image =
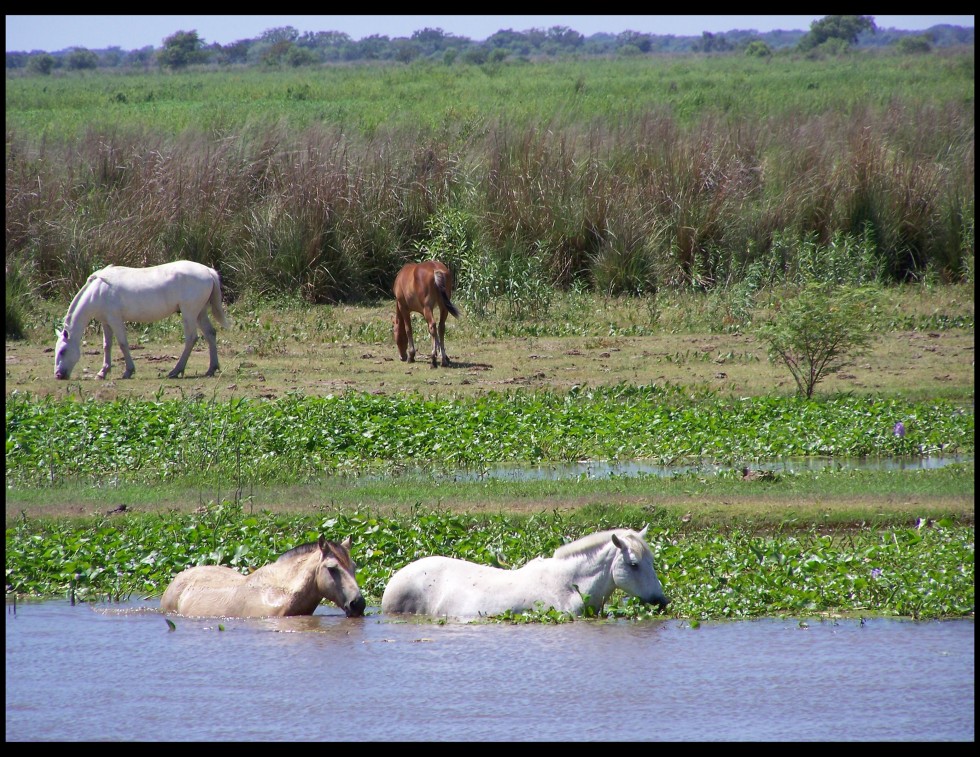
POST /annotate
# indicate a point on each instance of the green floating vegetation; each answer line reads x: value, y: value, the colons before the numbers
x: 299, y: 439
x: 922, y: 571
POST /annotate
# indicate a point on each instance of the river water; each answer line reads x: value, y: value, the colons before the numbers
x: 117, y: 672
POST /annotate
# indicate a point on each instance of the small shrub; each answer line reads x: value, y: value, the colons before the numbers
x: 819, y: 332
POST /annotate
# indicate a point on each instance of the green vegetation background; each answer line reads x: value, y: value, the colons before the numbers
x: 617, y: 177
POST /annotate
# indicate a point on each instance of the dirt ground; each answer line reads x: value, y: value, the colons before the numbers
x: 913, y: 364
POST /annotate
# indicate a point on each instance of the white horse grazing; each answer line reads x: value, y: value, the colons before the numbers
x: 116, y: 294
x: 581, y: 574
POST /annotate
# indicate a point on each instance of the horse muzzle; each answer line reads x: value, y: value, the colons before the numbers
x: 660, y: 601
x: 356, y: 608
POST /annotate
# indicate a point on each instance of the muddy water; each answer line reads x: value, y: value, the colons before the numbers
x: 118, y: 673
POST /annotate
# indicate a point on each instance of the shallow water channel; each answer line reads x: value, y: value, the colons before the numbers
x: 601, y: 469
x: 116, y: 672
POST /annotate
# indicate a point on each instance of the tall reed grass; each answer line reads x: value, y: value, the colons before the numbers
x: 706, y: 182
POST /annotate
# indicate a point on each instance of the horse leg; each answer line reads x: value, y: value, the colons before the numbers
x: 433, y: 332
x: 443, y: 313
x: 120, y: 328
x: 106, y: 351
x: 190, y: 336
x: 207, y: 328
x: 401, y: 335
x: 407, y: 320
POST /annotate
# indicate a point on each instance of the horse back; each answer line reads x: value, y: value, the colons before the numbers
x: 427, y: 284
x: 183, y: 595
x: 152, y: 293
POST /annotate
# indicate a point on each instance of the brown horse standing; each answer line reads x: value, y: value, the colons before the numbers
x: 420, y: 288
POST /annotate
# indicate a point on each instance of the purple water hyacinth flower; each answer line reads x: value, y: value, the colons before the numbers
x: 875, y: 572
x: 900, y: 429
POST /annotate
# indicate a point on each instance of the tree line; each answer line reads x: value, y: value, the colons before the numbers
x: 286, y: 46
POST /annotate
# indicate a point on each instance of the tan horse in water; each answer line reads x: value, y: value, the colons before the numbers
x: 421, y: 288
x: 292, y: 585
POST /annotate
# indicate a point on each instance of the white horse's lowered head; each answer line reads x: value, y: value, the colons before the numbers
x: 583, y: 573
x: 116, y: 294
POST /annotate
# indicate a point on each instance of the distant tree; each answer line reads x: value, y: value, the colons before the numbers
x: 80, y: 59
x: 758, y: 49
x: 141, y: 58
x: 301, y: 56
x: 830, y: 48
x: 181, y: 49
x: 235, y: 52
x: 41, y: 64
x: 275, y: 53
x: 406, y: 50
x: 712, y: 43
x: 915, y: 44
x: 111, y: 57
x: 513, y: 42
x: 429, y: 40
x: 280, y: 34
x: 17, y: 60
x: 373, y: 47
x: 600, y: 43
x: 476, y: 55
x: 642, y: 42
x: 565, y: 38
x: 846, y: 28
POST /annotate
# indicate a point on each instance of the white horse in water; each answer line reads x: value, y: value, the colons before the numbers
x: 116, y: 294
x: 581, y: 574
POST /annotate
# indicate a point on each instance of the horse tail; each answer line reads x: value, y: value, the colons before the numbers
x: 441, y: 281
x: 216, y: 307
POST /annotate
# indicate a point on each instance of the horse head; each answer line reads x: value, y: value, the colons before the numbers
x: 67, y: 353
x: 336, y: 577
x: 633, y: 570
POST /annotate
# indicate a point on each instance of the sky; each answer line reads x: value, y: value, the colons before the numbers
x: 52, y: 33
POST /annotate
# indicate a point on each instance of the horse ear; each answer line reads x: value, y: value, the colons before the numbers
x: 643, y: 533
x: 322, y: 544
x: 346, y: 544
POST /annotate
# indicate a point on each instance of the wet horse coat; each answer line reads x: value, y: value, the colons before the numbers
x: 421, y: 288
x: 581, y: 574
x: 292, y: 585
x: 116, y: 294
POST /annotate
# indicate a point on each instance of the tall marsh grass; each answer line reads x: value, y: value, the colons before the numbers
x: 621, y: 177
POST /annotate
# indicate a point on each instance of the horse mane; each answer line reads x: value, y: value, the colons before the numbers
x: 592, y: 542
x: 73, y: 306
x: 304, y: 549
